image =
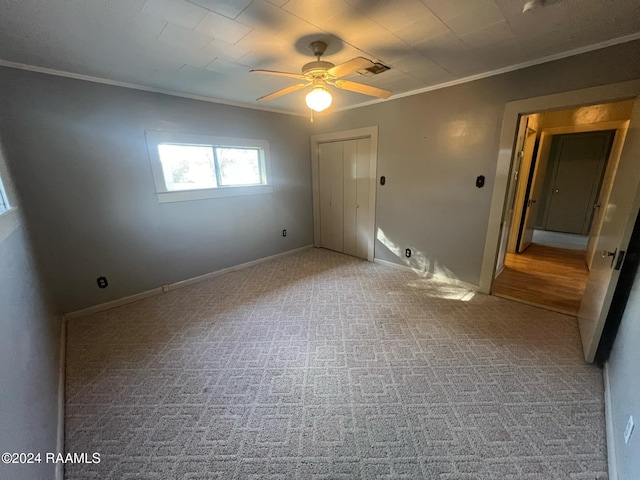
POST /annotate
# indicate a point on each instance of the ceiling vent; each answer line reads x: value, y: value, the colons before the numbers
x: 376, y: 69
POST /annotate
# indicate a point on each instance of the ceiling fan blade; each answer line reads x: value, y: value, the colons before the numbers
x: 282, y: 92
x: 352, y: 66
x: 279, y: 74
x: 361, y: 88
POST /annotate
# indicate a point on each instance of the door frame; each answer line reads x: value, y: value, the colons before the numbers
x: 316, y: 140
x: 510, y: 120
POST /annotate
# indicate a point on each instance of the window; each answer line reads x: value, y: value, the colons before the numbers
x: 195, y: 167
x: 4, y: 201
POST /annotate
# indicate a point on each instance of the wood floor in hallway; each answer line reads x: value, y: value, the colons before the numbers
x: 550, y: 277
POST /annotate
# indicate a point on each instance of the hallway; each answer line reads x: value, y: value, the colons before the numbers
x: 553, y: 278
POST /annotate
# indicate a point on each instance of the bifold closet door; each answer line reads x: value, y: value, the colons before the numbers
x: 344, y: 169
x: 331, y: 196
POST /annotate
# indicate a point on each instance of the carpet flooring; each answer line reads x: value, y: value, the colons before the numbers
x: 323, y: 366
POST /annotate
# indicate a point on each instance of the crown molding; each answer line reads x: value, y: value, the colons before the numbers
x: 479, y: 76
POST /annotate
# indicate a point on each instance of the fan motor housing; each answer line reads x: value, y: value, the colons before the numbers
x: 316, y: 68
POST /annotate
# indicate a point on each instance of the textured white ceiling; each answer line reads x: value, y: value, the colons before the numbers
x: 206, y: 48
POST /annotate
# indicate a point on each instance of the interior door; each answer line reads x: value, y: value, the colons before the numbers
x: 619, y: 217
x: 605, y: 191
x: 526, y: 163
x: 535, y: 192
x: 331, y: 196
x: 579, y: 161
x: 507, y: 217
x: 356, y: 154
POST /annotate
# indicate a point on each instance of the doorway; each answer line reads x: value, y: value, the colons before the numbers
x: 559, y: 185
x: 611, y: 221
x: 344, y: 190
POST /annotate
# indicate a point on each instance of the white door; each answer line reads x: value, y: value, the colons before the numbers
x: 331, y: 196
x: 507, y: 218
x: 605, y: 191
x: 344, y: 178
x: 619, y: 217
x: 528, y: 153
x: 535, y: 192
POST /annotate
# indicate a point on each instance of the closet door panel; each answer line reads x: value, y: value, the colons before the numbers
x: 324, y: 168
x: 362, y: 196
x: 337, y: 197
x: 349, y: 159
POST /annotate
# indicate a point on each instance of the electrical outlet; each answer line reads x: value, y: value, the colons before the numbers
x: 628, y: 431
x: 102, y: 282
x: 407, y: 253
x: 165, y: 288
x: 284, y: 232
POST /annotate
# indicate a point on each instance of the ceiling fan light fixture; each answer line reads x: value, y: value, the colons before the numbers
x: 319, y: 98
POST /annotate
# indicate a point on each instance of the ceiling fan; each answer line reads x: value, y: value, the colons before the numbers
x: 319, y: 74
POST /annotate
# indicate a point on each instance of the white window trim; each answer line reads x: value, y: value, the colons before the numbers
x: 154, y: 138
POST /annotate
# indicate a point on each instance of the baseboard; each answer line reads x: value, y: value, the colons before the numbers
x: 435, y: 276
x: 207, y: 276
x: 102, y: 307
x: 61, y: 396
x: 608, y: 420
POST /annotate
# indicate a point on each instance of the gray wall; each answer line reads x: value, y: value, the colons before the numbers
x: 81, y: 163
x: 29, y: 351
x: 624, y: 380
x: 431, y: 148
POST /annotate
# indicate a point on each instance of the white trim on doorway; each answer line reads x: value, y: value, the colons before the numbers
x: 512, y: 112
x: 316, y: 140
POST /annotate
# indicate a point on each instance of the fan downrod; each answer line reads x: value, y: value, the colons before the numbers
x: 318, y: 48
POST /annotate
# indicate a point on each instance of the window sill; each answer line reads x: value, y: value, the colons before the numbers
x: 203, y: 194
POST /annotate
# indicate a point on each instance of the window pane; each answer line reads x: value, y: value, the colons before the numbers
x: 187, y: 167
x: 239, y: 166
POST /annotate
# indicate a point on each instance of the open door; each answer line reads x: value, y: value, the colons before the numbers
x: 605, y: 191
x: 511, y: 194
x: 525, y: 167
x: 620, y: 214
x: 535, y: 191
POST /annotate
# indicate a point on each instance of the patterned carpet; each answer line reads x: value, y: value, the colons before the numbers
x: 323, y: 366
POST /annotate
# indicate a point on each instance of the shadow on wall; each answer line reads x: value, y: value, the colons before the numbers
x: 449, y: 286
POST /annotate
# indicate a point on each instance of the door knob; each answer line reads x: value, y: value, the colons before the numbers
x: 556, y: 190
